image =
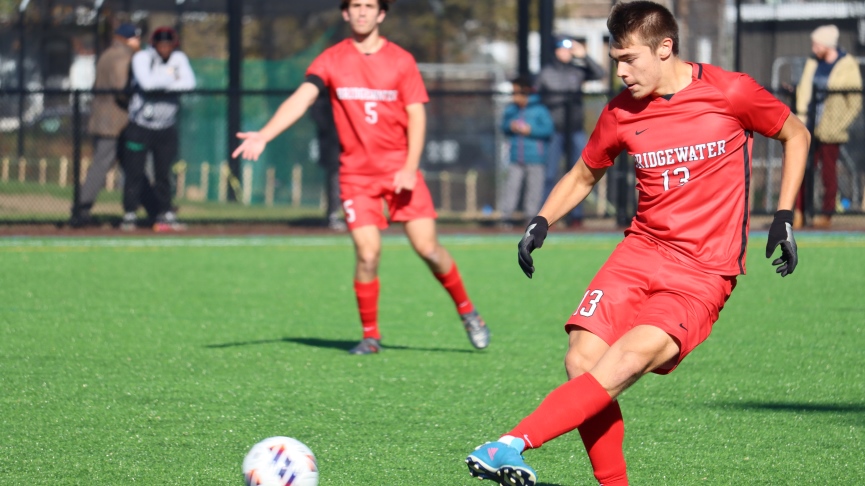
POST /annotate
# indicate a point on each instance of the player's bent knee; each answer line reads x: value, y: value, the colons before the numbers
x: 576, y: 364
x: 429, y: 253
x: 368, y: 258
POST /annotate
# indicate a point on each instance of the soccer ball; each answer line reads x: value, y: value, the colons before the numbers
x: 280, y: 461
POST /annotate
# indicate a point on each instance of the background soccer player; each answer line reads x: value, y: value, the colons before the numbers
x: 689, y: 128
x: 378, y: 102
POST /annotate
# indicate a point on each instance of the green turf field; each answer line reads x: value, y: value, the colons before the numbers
x: 160, y: 361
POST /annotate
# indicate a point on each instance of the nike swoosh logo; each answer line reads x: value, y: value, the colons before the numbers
x: 640, y: 131
x: 682, y: 326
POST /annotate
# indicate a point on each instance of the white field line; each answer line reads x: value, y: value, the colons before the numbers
x: 593, y: 240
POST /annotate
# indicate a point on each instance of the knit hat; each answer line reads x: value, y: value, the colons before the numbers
x: 127, y: 30
x: 826, y: 35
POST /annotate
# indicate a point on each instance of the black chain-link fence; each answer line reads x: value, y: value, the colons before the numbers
x: 47, y: 157
x: 466, y: 51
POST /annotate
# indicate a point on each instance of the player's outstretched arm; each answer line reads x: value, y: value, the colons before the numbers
x: 796, y: 140
x: 288, y: 113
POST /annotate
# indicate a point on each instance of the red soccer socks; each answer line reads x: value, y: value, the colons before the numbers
x: 563, y: 410
x: 603, y: 436
x: 367, y: 305
x: 453, y: 283
x: 367, y: 299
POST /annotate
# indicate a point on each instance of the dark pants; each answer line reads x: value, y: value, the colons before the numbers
x: 825, y: 157
x: 105, y: 151
x: 328, y: 159
x: 139, y: 142
x: 331, y: 188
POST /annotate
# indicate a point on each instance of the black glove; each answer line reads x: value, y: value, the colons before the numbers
x: 536, y: 232
x: 781, y: 233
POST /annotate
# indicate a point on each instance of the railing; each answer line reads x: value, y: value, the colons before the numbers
x: 45, y: 155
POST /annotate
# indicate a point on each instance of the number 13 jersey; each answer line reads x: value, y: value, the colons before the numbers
x: 692, y: 155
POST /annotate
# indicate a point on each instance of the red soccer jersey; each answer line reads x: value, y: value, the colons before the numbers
x: 692, y: 154
x: 369, y: 95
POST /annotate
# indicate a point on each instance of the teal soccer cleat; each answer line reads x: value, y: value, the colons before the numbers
x: 499, y: 462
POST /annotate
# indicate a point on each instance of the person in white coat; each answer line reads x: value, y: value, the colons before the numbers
x: 159, y: 72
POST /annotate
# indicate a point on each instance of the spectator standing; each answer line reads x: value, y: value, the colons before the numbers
x: 560, y: 84
x: 328, y: 157
x: 108, y: 118
x: 828, y: 100
x: 159, y: 72
x: 529, y: 126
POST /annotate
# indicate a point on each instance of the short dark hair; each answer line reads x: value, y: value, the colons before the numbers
x: 383, y: 5
x: 523, y: 82
x: 643, y: 21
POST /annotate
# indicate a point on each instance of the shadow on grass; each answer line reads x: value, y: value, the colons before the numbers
x: 339, y: 344
x: 856, y: 410
x: 798, y: 407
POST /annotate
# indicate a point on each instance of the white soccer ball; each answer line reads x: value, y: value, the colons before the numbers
x: 280, y: 461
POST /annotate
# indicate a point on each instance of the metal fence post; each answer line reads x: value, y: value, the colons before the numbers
x: 235, y: 67
x: 523, y: 36
x: 546, y: 18
x: 569, y: 130
x: 76, y: 149
x: 808, y: 181
x: 22, y: 80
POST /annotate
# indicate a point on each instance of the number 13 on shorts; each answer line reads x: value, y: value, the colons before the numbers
x: 589, y: 303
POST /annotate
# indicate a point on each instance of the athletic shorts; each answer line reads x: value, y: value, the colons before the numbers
x: 363, y: 203
x: 643, y: 283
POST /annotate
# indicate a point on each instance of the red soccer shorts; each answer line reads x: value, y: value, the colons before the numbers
x: 362, y: 202
x: 643, y: 283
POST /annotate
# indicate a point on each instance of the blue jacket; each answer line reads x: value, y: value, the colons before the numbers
x: 532, y: 148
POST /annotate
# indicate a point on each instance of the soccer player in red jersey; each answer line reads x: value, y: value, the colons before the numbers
x: 689, y: 130
x: 378, y: 101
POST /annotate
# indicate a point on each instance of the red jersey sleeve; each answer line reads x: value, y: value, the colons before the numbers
x: 755, y: 107
x: 604, y: 144
x: 320, y: 67
x: 411, y: 87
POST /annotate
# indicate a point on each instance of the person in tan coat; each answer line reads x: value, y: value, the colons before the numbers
x: 108, y: 118
x: 828, y: 100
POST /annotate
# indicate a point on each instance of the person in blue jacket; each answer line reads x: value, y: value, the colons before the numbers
x: 529, y: 127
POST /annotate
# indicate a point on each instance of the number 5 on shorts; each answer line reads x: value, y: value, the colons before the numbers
x: 586, y: 309
x: 350, y: 215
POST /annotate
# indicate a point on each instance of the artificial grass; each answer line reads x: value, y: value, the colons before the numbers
x: 162, y: 360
